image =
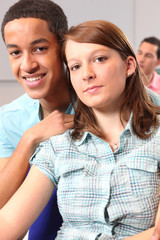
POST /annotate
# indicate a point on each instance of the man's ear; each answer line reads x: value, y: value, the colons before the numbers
x: 131, y: 65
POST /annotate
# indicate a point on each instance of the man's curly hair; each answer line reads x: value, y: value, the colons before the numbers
x: 46, y: 10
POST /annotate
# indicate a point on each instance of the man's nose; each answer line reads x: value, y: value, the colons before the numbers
x: 140, y: 58
x: 28, y: 64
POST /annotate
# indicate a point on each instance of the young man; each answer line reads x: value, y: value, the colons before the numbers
x: 148, y: 57
x: 32, y: 31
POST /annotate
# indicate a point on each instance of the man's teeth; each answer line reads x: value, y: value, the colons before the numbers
x: 33, y: 79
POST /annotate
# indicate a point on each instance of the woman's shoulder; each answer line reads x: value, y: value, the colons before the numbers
x: 66, y: 135
x: 156, y: 133
x: 61, y: 140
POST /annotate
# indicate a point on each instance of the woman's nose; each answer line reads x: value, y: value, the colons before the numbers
x: 88, y: 74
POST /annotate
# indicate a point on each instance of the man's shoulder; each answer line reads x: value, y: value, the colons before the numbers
x: 21, y: 113
x: 15, y: 118
x: 156, y: 79
x: 154, y: 97
x: 157, y: 74
x: 22, y: 104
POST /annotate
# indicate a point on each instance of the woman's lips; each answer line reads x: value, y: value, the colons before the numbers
x: 92, y: 89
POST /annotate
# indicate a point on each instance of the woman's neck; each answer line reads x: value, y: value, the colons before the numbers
x: 112, y: 124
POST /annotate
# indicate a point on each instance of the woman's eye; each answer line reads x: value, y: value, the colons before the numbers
x: 75, y: 67
x: 100, y: 59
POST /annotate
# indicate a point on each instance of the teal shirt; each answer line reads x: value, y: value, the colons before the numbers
x: 15, y: 118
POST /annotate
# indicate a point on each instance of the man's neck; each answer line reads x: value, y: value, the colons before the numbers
x: 49, y: 107
x: 149, y: 78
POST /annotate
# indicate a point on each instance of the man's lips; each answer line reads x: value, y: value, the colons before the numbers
x: 34, y: 78
x: 141, y: 65
x: 34, y: 81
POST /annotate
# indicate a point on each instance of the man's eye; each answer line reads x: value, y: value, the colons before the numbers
x: 139, y: 53
x: 149, y: 56
x: 14, y: 53
x: 100, y: 59
x: 41, y: 49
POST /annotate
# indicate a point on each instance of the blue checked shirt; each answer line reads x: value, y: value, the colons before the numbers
x: 103, y: 194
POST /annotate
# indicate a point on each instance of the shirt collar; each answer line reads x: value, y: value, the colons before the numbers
x: 128, y: 130
x: 40, y: 112
x: 129, y: 127
x: 155, y: 83
x: 69, y: 110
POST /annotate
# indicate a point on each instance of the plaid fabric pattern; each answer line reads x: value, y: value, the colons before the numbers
x: 101, y: 194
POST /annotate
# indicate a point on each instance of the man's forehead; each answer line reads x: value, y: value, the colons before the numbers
x: 148, y: 47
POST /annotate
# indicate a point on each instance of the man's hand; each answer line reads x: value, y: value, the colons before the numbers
x: 54, y: 124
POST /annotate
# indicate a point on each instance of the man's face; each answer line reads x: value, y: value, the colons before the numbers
x: 34, y: 55
x: 147, y: 57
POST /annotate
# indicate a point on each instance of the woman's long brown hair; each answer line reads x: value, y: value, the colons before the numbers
x: 135, y: 95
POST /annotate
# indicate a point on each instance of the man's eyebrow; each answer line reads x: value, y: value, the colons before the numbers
x: 11, y: 45
x: 40, y: 40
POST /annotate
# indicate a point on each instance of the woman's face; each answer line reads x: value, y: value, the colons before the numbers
x: 98, y: 74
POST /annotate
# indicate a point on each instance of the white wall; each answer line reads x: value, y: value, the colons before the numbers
x: 146, y: 19
x: 137, y: 18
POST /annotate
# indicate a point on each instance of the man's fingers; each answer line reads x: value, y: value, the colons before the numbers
x: 69, y: 125
x: 69, y: 117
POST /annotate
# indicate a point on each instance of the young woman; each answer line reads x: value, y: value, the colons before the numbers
x: 106, y: 169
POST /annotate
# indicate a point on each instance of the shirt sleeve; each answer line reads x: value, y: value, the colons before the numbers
x: 44, y: 158
x: 6, y: 149
x: 106, y: 237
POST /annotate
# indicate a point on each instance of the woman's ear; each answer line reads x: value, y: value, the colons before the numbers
x: 131, y: 66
